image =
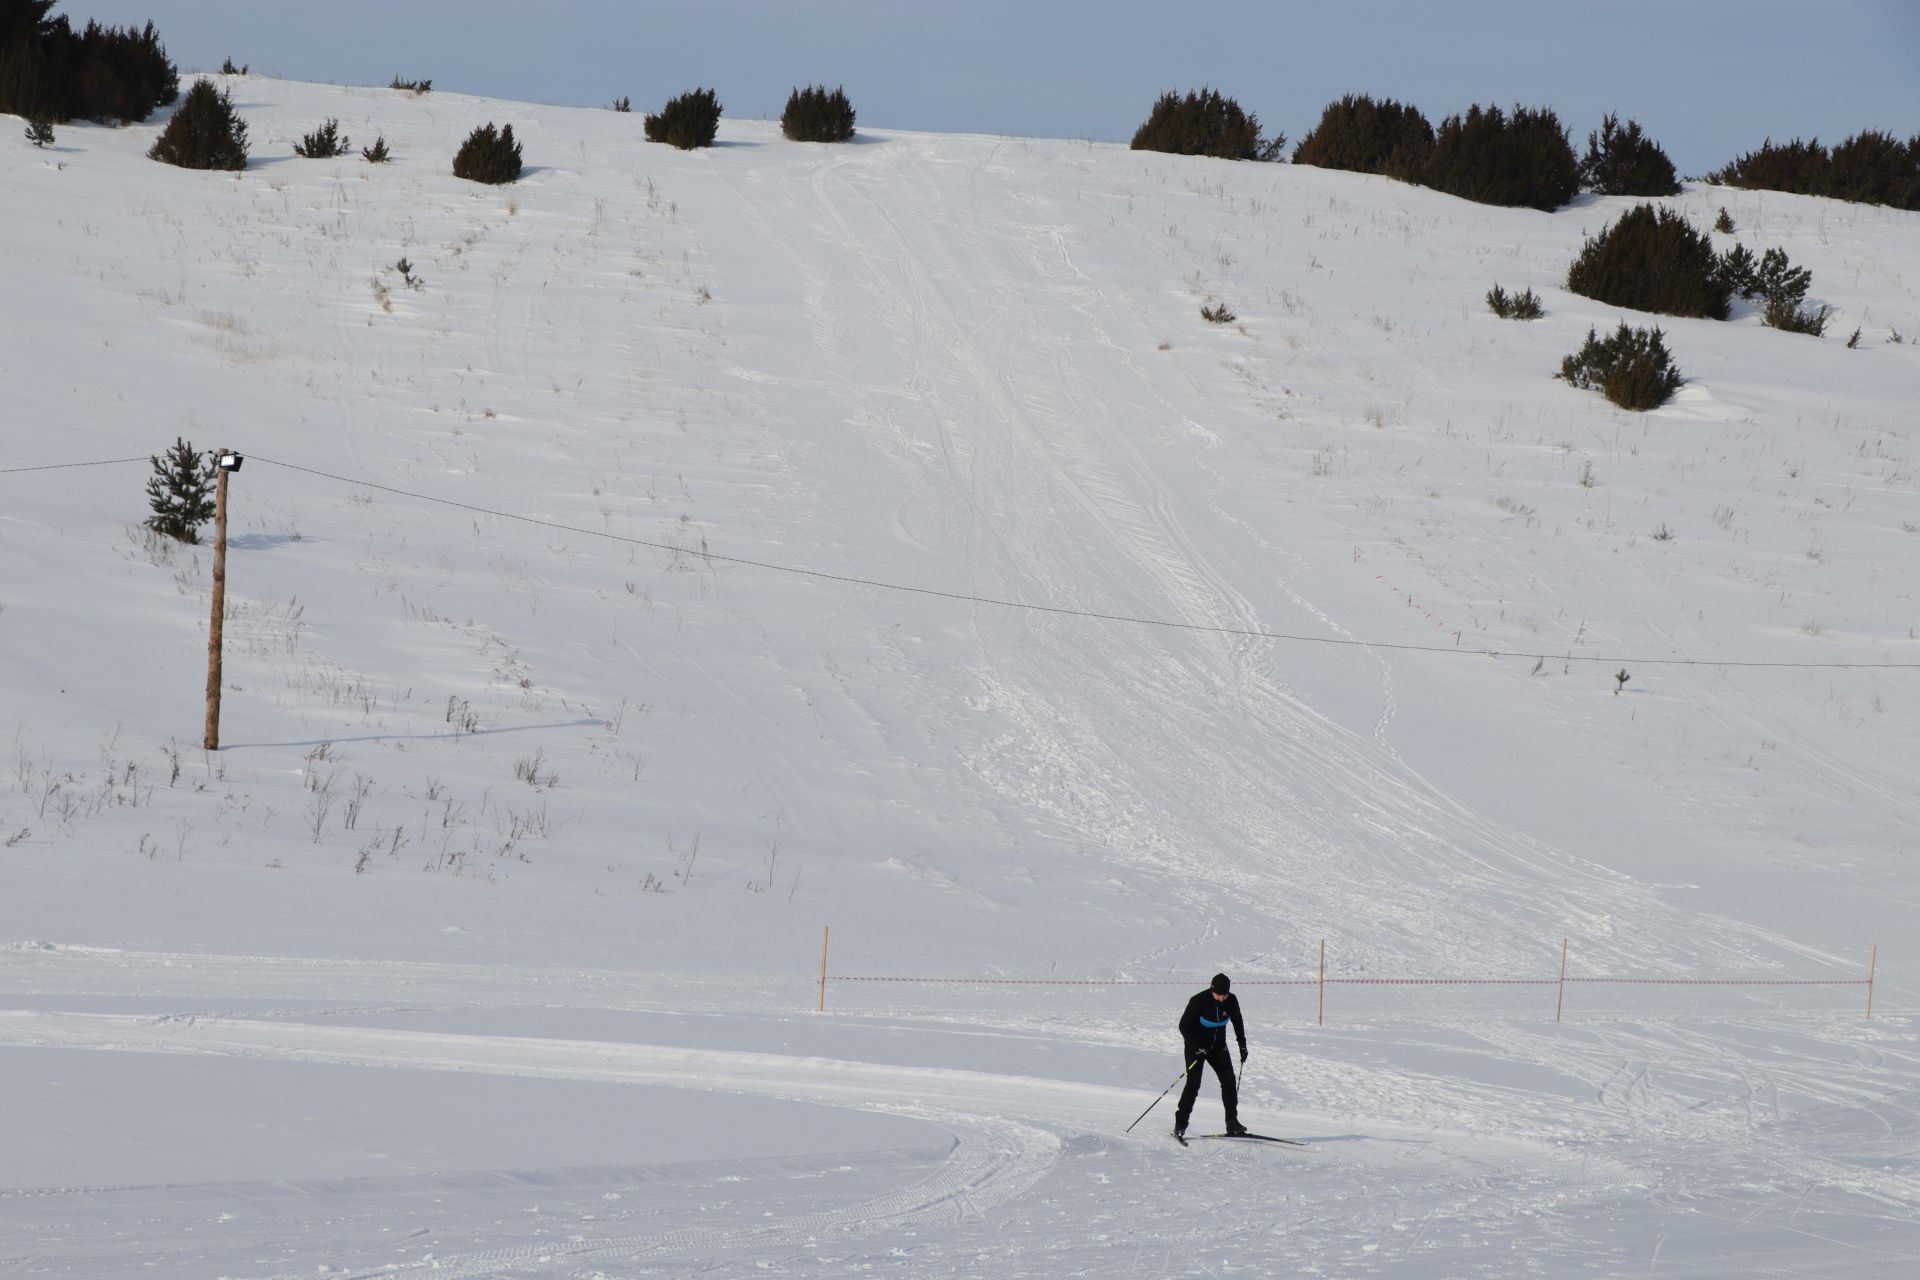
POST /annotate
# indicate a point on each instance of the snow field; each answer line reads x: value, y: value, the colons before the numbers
x: 604, y: 794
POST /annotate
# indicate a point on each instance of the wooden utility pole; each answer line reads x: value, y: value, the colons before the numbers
x: 1873, y: 963
x: 822, y: 1007
x: 1560, y: 1002
x: 1321, y: 1018
x: 217, y: 626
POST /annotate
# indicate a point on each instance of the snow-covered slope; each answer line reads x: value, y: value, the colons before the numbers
x: 617, y: 763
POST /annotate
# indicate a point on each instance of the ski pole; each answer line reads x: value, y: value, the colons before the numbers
x: 1164, y: 1092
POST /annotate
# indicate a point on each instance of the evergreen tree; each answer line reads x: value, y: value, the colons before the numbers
x: 50, y: 72
x: 688, y: 121
x: 488, y: 155
x: 814, y: 115
x: 1206, y: 123
x: 1876, y: 168
x: 24, y: 20
x: 1652, y: 260
x: 30, y: 82
x: 1631, y: 367
x: 1521, y: 161
x: 1798, y: 167
x: 1364, y: 136
x: 181, y: 492
x: 1625, y: 162
x: 205, y: 133
x: 324, y: 143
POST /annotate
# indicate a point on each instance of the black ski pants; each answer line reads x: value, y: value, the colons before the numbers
x: 1221, y: 1059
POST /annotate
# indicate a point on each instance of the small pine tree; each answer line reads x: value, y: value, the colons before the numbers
x: 40, y: 133
x: 180, y: 492
x: 623, y: 104
x: 1206, y: 123
x: 1739, y: 272
x: 205, y: 133
x: 815, y: 115
x: 1652, y: 260
x: 488, y: 155
x: 1625, y: 162
x: 1724, y: 223
x: 228, y: 69
x: 415, y: 87
x: 324, y: 143
x: 1782, y: 287
x: 1631, y: 367
x: 1363, y: 136
x: 688, y: 121
x: 377, y: 153
x: 1514, y: 306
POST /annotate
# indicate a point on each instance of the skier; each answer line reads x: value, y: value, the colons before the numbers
x: 1203, y: 1027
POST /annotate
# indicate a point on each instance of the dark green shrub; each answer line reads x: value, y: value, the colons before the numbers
x: 1779, y: 281
x: 1739, y: 272
x: 324, y: 143
x: 1520, y: 161
x: 377, y: 153
x: 1631, y: 367
x: 1217, y: 313
x: 30, y: 83
x: 1625, y: 162
x: 25, y: 20
x: 814, y: 115
x: 1876, y: 168
x: 415, y: 87
x: 180, y: 492
x: 205, y: 133
x: 1782, y: 287
x: 50, y: 72
x: 1794, y: 318
x: 488, y: 155
x: 1724, y: 223
x: 119, y: 75
x: 228, y: 69
x: 39, y: 133
x: 1798, y: 167
x: 688, y: 121
x: 1363, y: 136
x: 623, y: 104
x: 1206, y: 123
x: 1514, y: 306
x: 1652, y: 261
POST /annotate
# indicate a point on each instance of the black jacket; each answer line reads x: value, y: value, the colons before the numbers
x: 1202, y: 1010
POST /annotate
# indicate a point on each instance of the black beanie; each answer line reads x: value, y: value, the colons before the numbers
x: 1222, y: 983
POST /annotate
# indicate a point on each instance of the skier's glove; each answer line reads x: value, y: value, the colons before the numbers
x: 1243, y: 1055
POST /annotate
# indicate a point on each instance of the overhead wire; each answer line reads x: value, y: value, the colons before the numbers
x: 63, y: 466
x: 1058, y: 610
x: 1063, y: 611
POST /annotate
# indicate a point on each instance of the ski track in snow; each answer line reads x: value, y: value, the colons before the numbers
x: 1736, y: 1139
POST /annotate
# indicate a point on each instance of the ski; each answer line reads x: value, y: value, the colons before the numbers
x: 1256, y: 1137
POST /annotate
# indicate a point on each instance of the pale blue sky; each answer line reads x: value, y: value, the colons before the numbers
x: 1707, y: 78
